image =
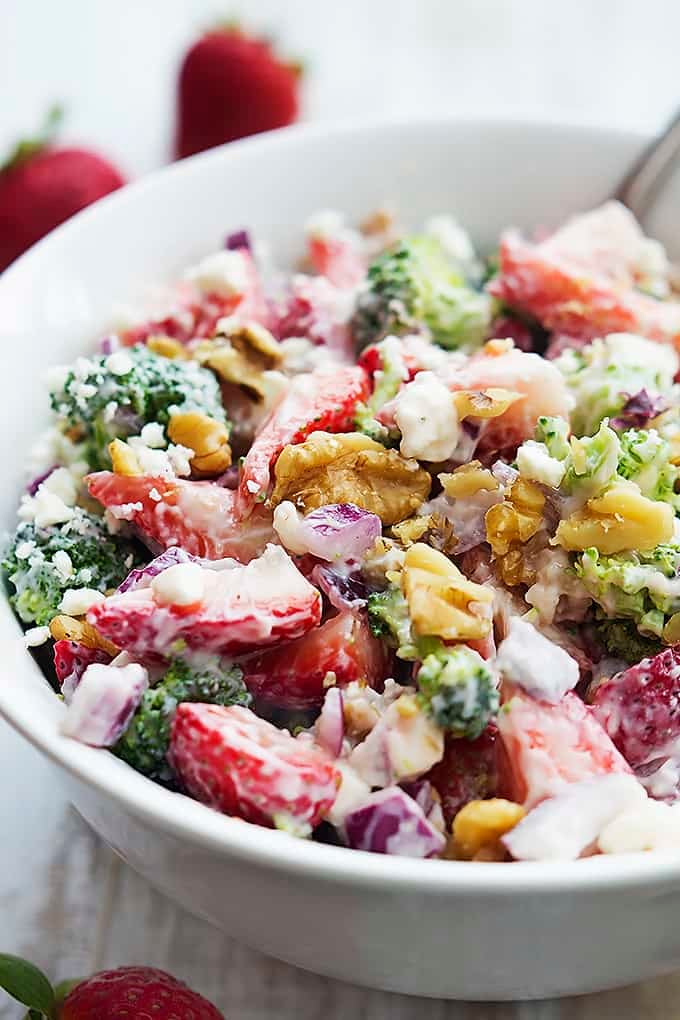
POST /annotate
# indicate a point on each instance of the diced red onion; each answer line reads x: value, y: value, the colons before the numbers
x: 343, y: 591
x: 330, y: 726
x: 237, y: 240
x: 36, y: 482
x: 391, y: 822
x: 505, y: 474
x: 110, y: 343
x: 340, y: 531
x: 638, y: 410
x: 141, y: 577
x: 562, y: 827
x: 104, y: 702
x: 229, y: 480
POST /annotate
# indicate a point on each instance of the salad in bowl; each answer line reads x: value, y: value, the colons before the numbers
x: 380, y: 551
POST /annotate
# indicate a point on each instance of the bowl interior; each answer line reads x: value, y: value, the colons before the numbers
x: 57, y: 300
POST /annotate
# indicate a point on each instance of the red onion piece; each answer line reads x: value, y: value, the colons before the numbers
x: 104, y: 702
x: 391, y: 822
x: 343, y: 591
x: 109, y: 344
x: 339, y: 531
x: 36, y: 482
x: 638, y: 410
x: 237, y: 240
x: 330, y: 726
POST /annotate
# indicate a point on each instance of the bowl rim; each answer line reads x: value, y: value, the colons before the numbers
x: 190, y: 821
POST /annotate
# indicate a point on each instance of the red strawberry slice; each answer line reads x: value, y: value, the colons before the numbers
x: 322, y: 401
x: 71, y: 659
x: 200, y: 517
x: 316, y: 310
x: 197, y: 313
x: 640, y: 707
x: 549, y: 745
x: 338, y: 260
x: 292, y: 676
x: 242, y: 608
x: 581, y: 300
x: 241, y: 765
x: 468, y: 771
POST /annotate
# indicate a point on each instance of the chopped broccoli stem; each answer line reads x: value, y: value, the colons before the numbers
x: 622, y: 640
x: 413, y: 287
x: 459, y: 690
x: 144, y: 745
x: 102, y: 405
x: 92, y: 559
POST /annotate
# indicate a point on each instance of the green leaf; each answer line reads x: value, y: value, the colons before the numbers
x: 27, y: 147
x: 28, y: 985
x: 64, y: 987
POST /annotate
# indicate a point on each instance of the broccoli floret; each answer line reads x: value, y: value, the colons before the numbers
x: 645, y: 460
x: 642, y: 586
x: 592, y: 463
x: 413, y: 287
x: 459, y: 690
x: 604, y: 374
x: 388, y: 617
x: 101, y: 403
x: 553, y: 433
x: 144, y: 744
x: 89, y: 557
x: 622, y: 640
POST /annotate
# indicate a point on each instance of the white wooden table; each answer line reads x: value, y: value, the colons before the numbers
x: 65, y: 900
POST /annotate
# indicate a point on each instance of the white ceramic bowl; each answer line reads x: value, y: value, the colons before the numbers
x: 465, y: 931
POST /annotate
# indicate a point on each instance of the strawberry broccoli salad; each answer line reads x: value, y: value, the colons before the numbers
x: 383, y: 550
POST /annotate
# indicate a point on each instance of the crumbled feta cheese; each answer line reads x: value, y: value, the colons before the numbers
x: 155, y: 495
x: 652, y: 825
x: 426, y: 416
x: 119, y: 363
x: 24, y: 550
x: 109, y: 411
x: 180, y: 585
x: 287, y: 527
x: 352, y: 792
x: 180, y: 458
x: 224, y: 273
x: 121, y: 512
x: 252, y: 486
x: 36, y: 636
x: 63, y: 564
x: 83, y: 367
x: 77, y: 601
x: 535, y: 463
x: 44, y: 509
x: 85, y: 575
x: 539, y: 666
x: 153, y: 435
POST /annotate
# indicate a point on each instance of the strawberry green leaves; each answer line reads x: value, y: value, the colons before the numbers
x: 28, y: 985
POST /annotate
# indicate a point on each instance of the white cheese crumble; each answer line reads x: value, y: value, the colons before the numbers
x: 426, y: 416
x: 539, y: 666
x: 155, y: 495
x: 224, y: 273
x: 180, y: 585
x: 53, y: 502
x: 535, y: 463
x: 56, y: 377
x: 77, y: 601
x: 63, y: 565
x: 36, y: 636
x: 153, y: 435
x: 119, y: 363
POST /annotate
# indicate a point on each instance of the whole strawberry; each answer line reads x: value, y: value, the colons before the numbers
x: 232, y: 85
x: 43, y: 184
x: 124, y: 992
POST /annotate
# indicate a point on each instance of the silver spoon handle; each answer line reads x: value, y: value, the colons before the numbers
x: 644, y: 180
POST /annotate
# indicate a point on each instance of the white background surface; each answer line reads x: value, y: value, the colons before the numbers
x: 64, y: 900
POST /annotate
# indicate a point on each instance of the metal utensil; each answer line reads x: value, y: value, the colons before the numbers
x: 647, y: 176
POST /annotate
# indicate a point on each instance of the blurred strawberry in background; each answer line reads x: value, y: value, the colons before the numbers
x: 42, y: 184
x: 232, y: 85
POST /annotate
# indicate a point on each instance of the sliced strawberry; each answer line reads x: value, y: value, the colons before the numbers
x: 549, y: 745
x: 241, y: 765
x: 317, y: 310
x: 640, y: 707
x: 338, y: 260
x: 241, y: 609
x: 569, y: 296
x: 200, y: 517
x: 71, y: 659
x: 468, y: 771
x: 321, y: 401
x: 292, y: 676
